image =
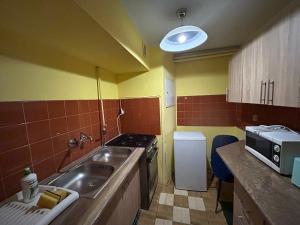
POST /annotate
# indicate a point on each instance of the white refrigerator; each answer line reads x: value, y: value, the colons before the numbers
x: 190, y: 161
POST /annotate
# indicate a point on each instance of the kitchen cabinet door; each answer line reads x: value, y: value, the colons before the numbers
x: 254, y: 75
x: 292, y: 97
x: 284, y: 67
x: 245, y: 211
x: 249, y: 82
x: 278, y: 40
x: 126, y: 202
x: 262, y: 67
x: 132, y: 197
x: 235, y: 76
x: 270, y: 64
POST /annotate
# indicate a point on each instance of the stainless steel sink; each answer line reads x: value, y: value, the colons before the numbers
x: 115, y: 155
x: 86, y: 179
x: 89, y: 177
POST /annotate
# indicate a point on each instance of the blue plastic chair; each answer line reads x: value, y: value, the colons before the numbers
x: 219, y: 169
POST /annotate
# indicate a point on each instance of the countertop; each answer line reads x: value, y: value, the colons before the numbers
x: 85, y: 211
x: 275, y: 196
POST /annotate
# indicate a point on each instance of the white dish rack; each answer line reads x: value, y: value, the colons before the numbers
x: 16, y: 212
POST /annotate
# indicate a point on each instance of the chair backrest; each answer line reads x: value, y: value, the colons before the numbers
x: 219, y: 168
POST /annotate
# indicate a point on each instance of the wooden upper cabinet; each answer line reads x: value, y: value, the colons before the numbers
x: 234, y: 92
x: 255, y: 71
x: 293, y: 80
x: 270, y: 64
x: 284, y: 70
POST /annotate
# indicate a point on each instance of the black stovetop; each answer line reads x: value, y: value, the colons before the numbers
x: 132, y: 140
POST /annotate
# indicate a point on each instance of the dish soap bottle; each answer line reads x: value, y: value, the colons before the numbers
x: 29, y: 185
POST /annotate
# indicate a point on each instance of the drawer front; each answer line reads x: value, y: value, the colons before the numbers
x: 238, y: 215
x: 245, y: 210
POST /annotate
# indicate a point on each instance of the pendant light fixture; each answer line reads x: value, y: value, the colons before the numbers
x: 183, y: 38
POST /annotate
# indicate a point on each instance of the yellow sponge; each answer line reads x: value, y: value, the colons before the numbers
x: 47, y: 201
x: 53, y: 195
x: 63, y: 194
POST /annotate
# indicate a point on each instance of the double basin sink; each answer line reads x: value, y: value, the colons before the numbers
x: 88, y: 177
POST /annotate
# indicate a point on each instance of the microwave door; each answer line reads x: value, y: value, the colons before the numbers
x: 259, y: 144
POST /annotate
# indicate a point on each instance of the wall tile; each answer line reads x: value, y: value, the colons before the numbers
x: 93, y: 105
x: 35, y: 111
x: 60, y: 143
x: 209, y: 110
x: 76, y: 154
x: 48, y: 137
x: 73, y: 123
x: 94, y: 117
x: 14, y: 161
x: 83, y: 106
x: 62, y: 159
x: 84, y: 120
x: 71, y: 107
x: 45, y: 168
x: 180, y: 107
x: 12, y: 137
x: 11, y: 113
x: 213, y: 110
x: 2, y: 194
x: 12, y: 183
x: 96, y: 131
x: 41, y: 151
x: 38, y: 131
x: 141, y: 116
x: 58, y: 126
x: 268, y: 115
x: 56, y: 109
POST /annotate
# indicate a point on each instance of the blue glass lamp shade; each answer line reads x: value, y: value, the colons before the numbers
x: 183, y: 38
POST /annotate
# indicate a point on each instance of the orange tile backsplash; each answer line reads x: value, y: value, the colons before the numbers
x: 206, y: 110
x: 35, y: 133
x: 142, y: 115
x: 266, y: 114
x: 213, y: 110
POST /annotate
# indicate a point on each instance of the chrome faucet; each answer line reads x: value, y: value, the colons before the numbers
x: 73, y: 142
x: 84, y: 138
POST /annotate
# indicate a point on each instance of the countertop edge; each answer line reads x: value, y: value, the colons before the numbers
x: 274, y: 178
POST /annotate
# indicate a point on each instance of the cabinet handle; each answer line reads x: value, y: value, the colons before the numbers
x: 260, y: 98
x: 271, y: 99
x: 265, y: 91
x: 263, y: 88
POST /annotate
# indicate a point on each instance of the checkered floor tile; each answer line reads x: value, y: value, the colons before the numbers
x: 181, y: 203
x: 171, y: 206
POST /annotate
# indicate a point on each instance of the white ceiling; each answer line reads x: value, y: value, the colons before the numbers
x: 227, y: 22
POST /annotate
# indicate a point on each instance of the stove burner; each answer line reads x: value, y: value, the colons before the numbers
x: 132, y: 140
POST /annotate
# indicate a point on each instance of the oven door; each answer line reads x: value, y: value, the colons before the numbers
x: 152, y: 173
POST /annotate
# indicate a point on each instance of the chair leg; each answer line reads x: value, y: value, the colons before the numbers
x: 218, y: 194
x: 211, y: 179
